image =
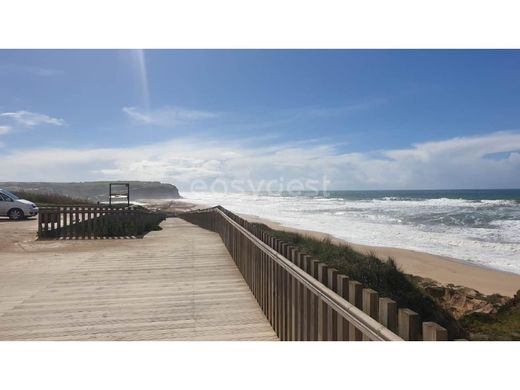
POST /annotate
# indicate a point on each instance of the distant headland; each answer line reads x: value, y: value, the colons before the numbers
x: 96, y: 190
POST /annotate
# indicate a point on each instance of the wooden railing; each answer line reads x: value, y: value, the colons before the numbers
x: 95, y: 221
x: 304, y: 299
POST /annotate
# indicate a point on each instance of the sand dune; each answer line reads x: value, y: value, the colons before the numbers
x: 440, y: 268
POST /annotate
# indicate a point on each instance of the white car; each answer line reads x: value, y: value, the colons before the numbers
x: 15, y: 208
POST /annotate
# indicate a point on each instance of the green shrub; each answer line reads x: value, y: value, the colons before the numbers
x: 503, y: 325
x: 383, y: 276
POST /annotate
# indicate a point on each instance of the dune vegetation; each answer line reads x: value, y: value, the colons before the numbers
x: 384, y: 277
x: 51, y: 199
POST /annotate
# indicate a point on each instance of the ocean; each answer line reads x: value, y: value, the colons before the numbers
x: 477, y: 226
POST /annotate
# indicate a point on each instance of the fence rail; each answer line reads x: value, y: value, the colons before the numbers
x: 95, y: 221
x: 304, y: 299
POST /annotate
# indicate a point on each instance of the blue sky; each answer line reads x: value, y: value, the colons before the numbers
x: 361, y: 118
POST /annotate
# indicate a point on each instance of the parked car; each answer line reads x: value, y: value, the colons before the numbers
x: 15, y: 208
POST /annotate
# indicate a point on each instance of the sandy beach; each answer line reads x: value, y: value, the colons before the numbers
x: 440, y: 268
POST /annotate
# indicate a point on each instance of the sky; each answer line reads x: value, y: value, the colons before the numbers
x: 344, y: 119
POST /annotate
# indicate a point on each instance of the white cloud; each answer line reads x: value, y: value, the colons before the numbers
x: 29, y: 69
x: 4, y: 129
x: 31, y: 119
x: 454, y: 163
x: 166, y: 117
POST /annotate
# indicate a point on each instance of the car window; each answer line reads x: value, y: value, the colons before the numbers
x: 9, y: 195
x: 5, y: 198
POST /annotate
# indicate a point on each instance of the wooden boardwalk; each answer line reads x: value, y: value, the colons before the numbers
x: 176, y: 284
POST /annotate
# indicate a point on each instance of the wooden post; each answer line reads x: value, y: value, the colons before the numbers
x: 343, y: 290
x: 314, y: 303
x: 286, y: 305
x: 299, y: 290
x: 388, y: 313
x: 83, y: 227
x: 322, y: 306
x: 58, y: 227
x: 270, y: 280
x: 44, y: 220
x: 264, y: 282
x: 294, y: 309
x: 276, y: 299
x: 71, y: 222
x: 88, y: 223
x: 64, y: 221
x: 434, y: 332
x: 40, y: 225
x: 281, y: 312
x: 409, y: 324
x: 283, y: 249
x: 332, y: 316
x: 306, y: 264
x: 370, y: 305
x: 293, y: 255
x: 356, y: 298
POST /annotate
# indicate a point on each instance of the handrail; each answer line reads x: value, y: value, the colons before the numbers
x: 362, y: 321
x: 302, y: 298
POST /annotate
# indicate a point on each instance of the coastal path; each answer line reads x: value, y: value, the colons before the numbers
x: 179, y: 283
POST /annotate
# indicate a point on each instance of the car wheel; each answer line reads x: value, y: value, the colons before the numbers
x: 16, y: 214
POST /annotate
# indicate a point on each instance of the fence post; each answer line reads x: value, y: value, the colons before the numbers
x: 388, y: 313
x: 322, y: 306
x: 299, y: 292
x: 58, y: 221
x: 279, y: 303
x: 355, y: 297
x: 83, y: 225
x: 283, y: 249
x: 40, y: 225
x: 272, y: 302
x: 306, y: 265
x: 409, y: 324
x: 434, y: 332
x: 343, y: 290
x: 45, y: 224
x: 295, y: 324
x: 89, y: 222
x: 332, y: 316
x: 370, y: 305
x: 287, y: 304
x: 314, y: 303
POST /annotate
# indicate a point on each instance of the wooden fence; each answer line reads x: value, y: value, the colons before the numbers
x: 95, y: 221
x: 304, y: 299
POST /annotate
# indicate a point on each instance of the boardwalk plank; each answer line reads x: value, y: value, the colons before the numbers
x: 176, y: 284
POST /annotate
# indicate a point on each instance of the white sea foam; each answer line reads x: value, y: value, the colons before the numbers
x: 469, y: 230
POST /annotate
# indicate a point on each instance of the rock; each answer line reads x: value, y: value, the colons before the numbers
x: 460, y: 301
x: 435, y: 291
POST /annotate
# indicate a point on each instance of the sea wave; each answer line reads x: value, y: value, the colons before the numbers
x: 485, y: 232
